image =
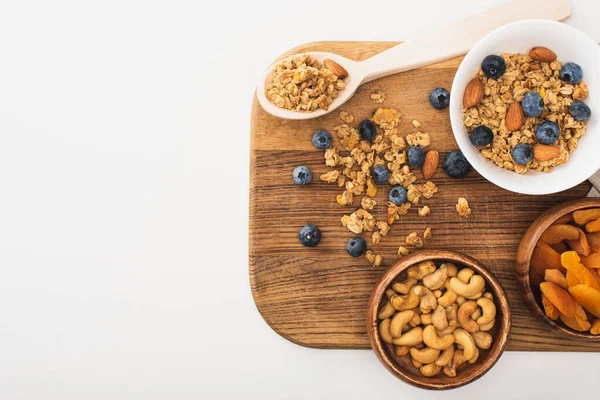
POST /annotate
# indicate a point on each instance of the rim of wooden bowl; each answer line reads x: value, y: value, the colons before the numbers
x: 475, y: 371
x: 525, y: 251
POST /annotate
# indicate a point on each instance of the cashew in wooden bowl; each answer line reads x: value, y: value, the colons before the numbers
x: 438, y: 319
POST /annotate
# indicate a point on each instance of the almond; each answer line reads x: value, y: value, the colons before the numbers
x: 430, y: 164
x: 542, y: 152
x: 515, y: 117
x: 543, y: 54
x: 473, y: 93
x: 336, y: 68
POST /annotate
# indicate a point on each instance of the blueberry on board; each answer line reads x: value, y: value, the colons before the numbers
x: 439, y: 98
x: 580, y: 111
x: 356, y: 246
x: 321, y: 139
x: 416, y: 156
x: 380, y: 174
x: 522, y: 153
x: 397, y: 195
x: 532, y: 104
x: 456, y: 164
x: 302, y: 175
x: 309, y: 235
x: 547, y: 132
x: 493, y: 66
x: 571, y: 73
x: 481, y: 136
x: 367, y: 130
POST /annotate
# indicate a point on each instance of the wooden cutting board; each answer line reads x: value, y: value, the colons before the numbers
x: 317, y: 297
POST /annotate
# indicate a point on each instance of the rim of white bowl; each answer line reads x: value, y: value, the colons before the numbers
x: 478, y: 162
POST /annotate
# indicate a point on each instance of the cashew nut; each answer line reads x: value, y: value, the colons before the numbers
x: 448, y: 297
x: 464, y: 316
x: 475, y: 285
x: 475, y: 296
x: 386, y: 311
x: 452, y: 325
x: 401, y: 303
x: 401, y: 351
x: 457, y: 360
x: 452, y: 270
x: 452, y: 312
x: 421, y: 269
x: 406, y: 328
x: 415, y: 321
x: 460, y: 300
x: 437, y: 293
x: 473, y: 359
x: 463, y: 338
x: 389, y: 293
x: 436, y: 279
x: 424, y: 356
x: 488, y: 295
x: 446, y: 357
x: 487, y: 326
x: 483, y: 340
x: 465, y: 274
x: 426, y: 319
x: 476, y: 314
x: 439, y: 318
x: 428, y: 301
x: 400, y: 319
x: 419, y: 346
x: 416, y: 363
x: 431, y: 339
x: 404, y: 287
x: 488, y: 308
x: 410, y: 338
x: 430, y: 370
x: 384, y: 330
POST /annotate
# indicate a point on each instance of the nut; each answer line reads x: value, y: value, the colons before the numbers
x: 430, y: 163
x: 421, y: 269
x: 457, y: 360
x: 473, y: 93
x: 476, y: 285
x: 424, y: 356
x: 543, y: 54
x: 401, y: 351
x: 410, y: 338
x: 431, y: 338
x: 430, y: 370
x: 464, y: 316
x: 488, y: 308
x: 428, y: 300
x: 436, y: 279
x: 384, y: 330
x: 439, y: 318
x: 404, y: 287
x: 400, y: 319
x: 386, y: 311
x: 544, y: 152
x: 446, y: 357
x: 483, y: 340
x: 515, y: 118
x: 336, y: 68
x: 463, y: 338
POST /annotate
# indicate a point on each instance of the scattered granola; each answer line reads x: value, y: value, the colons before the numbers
x: 375, y: 237
x: 367, y: 203
x: 524, y: 74
x: 301, y: 83
x: 378, y: 97
x: 462, y: 207
x: 416, y: 124
x: 413, y: 239
x: 424, y: 211
x: 346, y: 116
x: 373, y: 258
x: 418, y: 139
x: 402, y: 251
x: 427, y: 234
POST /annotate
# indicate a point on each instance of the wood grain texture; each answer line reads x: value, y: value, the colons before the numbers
x: 317, y: 297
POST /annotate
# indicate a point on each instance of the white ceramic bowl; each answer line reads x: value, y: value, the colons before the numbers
x: 569, y: 44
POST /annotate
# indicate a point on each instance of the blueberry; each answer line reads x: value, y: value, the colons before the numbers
x: 493, y: 66
x: 367, y: 130
x: 481, y: 136
x: 416, y: 156
x: 356, y: 246
x: 397, y: 195
x: 547, y: 132
x: 439, y: 98
x: 309, y: 235
x: 533, y: 104
x: 580, y: 111
x: 321, y: 139
x: 522, y: 153
x: 571, y: 73
x: 380, y: 174
x: 456, y: 165
x: 302, y: 175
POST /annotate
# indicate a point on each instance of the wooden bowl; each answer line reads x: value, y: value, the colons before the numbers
x: 402, y: 367
x: 531, y: 295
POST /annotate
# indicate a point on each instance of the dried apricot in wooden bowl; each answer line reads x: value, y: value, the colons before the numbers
x: 558, y: 265
x: 431, y: 311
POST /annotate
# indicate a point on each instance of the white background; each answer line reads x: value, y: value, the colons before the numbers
x: 124, y: 140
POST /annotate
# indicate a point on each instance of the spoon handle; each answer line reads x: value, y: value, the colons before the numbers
x: 456, y: 39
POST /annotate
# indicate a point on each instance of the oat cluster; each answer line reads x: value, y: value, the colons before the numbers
x: 301, y: 83
x: 523, y: 74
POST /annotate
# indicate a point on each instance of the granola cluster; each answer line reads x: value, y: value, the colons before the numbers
x: 352, y: 172
x: 301, y: 83
x: 524, y: 74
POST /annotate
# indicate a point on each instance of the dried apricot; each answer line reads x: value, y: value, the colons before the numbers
x: 591, y: 261
x: 580, y: 245
x: 550, y: 309
x: 594, y: 241
x: 595, y: 274
x: 588, y: 297
x: 555, y: 276
x: 572, y: 280
x: 570, y: 260
x: 559, y: 297
x: 593, y: 226
x: 558, y: 233
x: 565, y: 219
x: 544, y: 257
x: 595, y: 329
x: 579, y: 322
x: 582, y: 217
x: 560, y: 247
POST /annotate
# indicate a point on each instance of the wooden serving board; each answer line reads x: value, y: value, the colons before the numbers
x: 317, y: 297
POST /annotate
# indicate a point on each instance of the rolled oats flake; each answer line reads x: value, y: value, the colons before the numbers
x: 402, y: 251
x: 462, y: 207
x: 427, y: 234
x: 424, y: 211
x: 346, y: 117
x: 378, y: 97
x: 413, y: 239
